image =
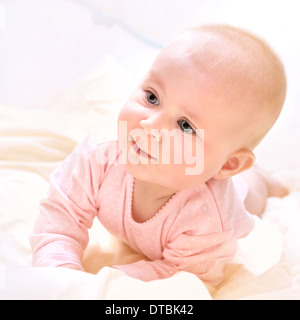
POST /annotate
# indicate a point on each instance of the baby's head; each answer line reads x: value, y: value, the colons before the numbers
x: 250, y: 74
x: 220, y: 79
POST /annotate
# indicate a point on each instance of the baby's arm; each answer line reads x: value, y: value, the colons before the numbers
x: 61, y: 231
x: 203, y: 255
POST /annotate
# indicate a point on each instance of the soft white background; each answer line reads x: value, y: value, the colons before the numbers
x: 42, y: 50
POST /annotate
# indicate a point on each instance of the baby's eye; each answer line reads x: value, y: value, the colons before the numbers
x: 185, y: 126
x: 151, y: 98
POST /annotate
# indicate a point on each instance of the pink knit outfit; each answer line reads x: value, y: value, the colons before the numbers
x: 195, y: 231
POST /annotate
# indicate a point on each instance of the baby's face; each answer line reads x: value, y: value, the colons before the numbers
x: 179, y: 126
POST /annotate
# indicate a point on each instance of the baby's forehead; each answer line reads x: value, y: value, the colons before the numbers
x: 205, y: 54
x: 203, y: 44
x: 209, y: 53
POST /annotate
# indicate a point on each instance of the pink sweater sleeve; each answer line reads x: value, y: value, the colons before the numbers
x: 61, y: 231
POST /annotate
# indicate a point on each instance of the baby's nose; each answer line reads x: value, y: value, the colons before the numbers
x: 151, y: 128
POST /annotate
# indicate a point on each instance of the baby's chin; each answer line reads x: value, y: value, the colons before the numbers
x: 164, y: 176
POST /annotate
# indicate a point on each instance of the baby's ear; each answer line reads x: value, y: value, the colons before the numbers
x: 238, y: 162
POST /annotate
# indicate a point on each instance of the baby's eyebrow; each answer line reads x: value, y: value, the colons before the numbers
x: 192, y: 116
x: 152, y: 77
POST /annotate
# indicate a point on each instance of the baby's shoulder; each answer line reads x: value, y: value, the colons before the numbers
x: 213, y: 208
x: 203, y: 207
x: 220, y: 203
x: 100, y: 156
x: 108, y: 154
x: 229, y: 198
x: 221, y: 189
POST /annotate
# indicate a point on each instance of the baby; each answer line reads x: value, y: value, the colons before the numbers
x: 213, y: 93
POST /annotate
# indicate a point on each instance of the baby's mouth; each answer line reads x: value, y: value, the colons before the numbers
x: 140, y: 152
